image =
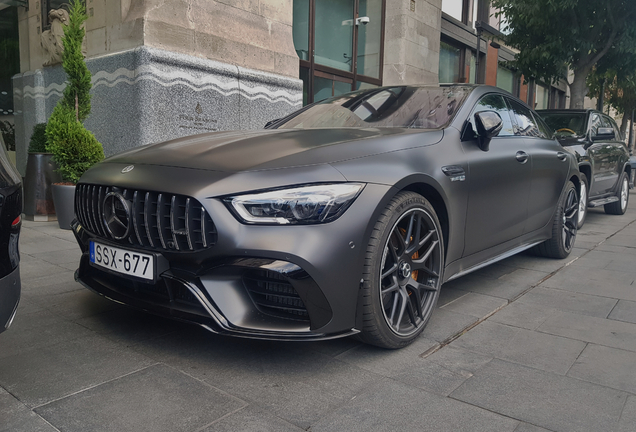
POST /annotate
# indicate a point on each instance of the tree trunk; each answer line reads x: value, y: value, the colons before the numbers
x: 578, y: 90
x: 626, y: 118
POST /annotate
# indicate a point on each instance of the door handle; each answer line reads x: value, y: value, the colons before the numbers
x: 522, y: 156
x: 561, y: 156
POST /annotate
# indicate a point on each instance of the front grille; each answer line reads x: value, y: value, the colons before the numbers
x: 274, y: 295
x: 158, y: 220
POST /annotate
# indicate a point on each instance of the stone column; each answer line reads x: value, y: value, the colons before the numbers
x: 411, y: 42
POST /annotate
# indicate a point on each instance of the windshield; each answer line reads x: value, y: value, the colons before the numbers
x: 398, y: 107
x: 566, y: 124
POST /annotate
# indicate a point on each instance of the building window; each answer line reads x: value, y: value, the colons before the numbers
x: 505, y: 79
x: 9, y: 57
x: 541, y: 98
x: 456, y: 63
x: 339, y: 44
x: 47, y: 6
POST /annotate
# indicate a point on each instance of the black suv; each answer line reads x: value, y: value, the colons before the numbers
x: 10, y: 222
x: 596, y: 141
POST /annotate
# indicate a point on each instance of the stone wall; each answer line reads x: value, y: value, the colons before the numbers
x: 147, y: 95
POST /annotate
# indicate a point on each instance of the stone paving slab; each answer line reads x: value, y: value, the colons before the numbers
x: 161, y: 397
x: 624, y: 311
x: 391, y: 406
x: 547, y: 400
x: 610, y: 367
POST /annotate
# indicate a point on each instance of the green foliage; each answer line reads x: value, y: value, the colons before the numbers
x: 75, y: 149
x: 38, y: 139
x: 554, y: 36
x: 8, y: 134
x: 76, y: 94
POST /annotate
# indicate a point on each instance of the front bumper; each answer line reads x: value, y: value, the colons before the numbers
x: 273, y: 282
x: 9, y: 298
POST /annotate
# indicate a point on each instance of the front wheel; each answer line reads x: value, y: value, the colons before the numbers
x: 402, y: 273
x: 620, y: 207
x: 582, y: 202
x: 563, y: 226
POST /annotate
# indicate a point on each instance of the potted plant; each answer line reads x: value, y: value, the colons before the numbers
x: 74, y: 148
x: 40, y: 175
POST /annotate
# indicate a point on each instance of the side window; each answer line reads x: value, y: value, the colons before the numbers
x: 611, y: 123
x: 526, y: 125
x: 495, y: 103
x: 546, y: 131
x: 595, y: 123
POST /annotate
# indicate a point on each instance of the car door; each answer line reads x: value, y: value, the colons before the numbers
x: 549, y: 165
x: 499, y: 183
x: 600, y: 152
x: 616, y: 153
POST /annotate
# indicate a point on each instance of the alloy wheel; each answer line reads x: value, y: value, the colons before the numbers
x: 410, y: 272
x: 624, y: 193
x: 582, y: 203
x: 570, y: 219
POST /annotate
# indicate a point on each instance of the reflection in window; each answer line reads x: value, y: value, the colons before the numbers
x: 449, y: 59
x: 369, y: 38
x: 526, y: 125
x: 325, y: 88
x: 301, y: 28
x: 453, y: 8
x: 541, y: 97
x: 403, y: 107
x: 505, y: 79
x: 334, y: 33
x: 494, y: 103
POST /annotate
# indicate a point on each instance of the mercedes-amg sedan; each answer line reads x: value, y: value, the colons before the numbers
x: 344, y: 218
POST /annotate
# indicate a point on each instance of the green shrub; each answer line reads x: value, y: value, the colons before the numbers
x: 38, y: 139
x: 75, y: 149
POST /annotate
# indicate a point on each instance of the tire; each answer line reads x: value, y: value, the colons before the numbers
x: 564, y: 226
x: 402, y: 273
x: 620, y: 207
x: 583, y: 196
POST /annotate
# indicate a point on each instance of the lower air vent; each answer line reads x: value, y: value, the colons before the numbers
x: 273, y: 295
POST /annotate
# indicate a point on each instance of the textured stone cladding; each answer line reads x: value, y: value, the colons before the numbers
x: 146, y: 95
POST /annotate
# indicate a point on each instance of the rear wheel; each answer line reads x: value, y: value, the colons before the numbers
x: 403, y: 272
x: 563, y: 226
x: 620, y: 207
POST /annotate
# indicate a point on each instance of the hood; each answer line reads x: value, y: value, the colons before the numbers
x: 274, y: 149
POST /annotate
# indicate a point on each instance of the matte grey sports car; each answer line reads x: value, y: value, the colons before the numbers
x: 343, y: 218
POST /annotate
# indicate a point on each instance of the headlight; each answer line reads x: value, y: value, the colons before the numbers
x: 299, y: 205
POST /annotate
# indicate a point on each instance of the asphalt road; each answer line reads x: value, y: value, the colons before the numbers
x: 527, y: 345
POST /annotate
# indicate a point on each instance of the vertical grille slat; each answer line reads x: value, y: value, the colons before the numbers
x: 159, y: 217
x: 159, y: 220
x: 187, y: 224
x: 146, y: 219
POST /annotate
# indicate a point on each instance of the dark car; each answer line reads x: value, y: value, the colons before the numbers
x: 10, y: 223
x: 343, y: 218
x: 596, y: 141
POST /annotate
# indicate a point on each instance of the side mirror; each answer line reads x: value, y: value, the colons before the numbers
x: 604, y: 134
x: 489, y: 124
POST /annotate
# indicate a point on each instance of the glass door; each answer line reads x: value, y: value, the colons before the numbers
x: 339, y: 44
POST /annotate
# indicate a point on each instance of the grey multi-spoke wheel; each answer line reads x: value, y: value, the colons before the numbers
x: 564, y: 226
x: 620, y: 207
x: 582, y: 201
x: 403, y: 272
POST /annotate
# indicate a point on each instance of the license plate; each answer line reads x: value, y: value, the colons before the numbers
x: 122, y: 260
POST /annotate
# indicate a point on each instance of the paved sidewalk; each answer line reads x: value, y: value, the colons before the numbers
x: 526, y: 345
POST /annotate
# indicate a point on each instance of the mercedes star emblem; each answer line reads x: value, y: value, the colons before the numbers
x: 116, y: 215
x: 128, y: 169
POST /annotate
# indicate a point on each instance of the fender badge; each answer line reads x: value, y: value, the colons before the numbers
x: 128, y: 169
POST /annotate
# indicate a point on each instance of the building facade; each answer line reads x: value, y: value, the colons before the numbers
x: 170, y: 68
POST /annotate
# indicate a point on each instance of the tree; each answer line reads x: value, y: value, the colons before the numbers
x: 557, y: 36
x: 77, y: 92
x: 74, y: 148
